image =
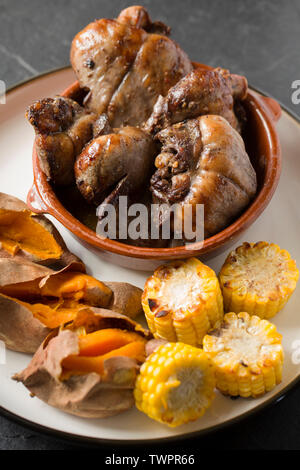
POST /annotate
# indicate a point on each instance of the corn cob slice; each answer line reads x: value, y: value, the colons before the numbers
x: 176, y: 384
x: 247, y: 355
x: 258, y: 278
x: 182, y: 301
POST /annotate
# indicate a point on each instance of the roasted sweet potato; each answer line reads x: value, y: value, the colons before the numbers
x: 35, y: 299
x: 62, y: 285
x: 32, y: 236
x: 42, y: 284
x: 24, y: 325
x: 89, y: 367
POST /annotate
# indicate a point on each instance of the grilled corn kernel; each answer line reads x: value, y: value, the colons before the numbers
x: 182, y: 301
x: 258, y: 278
x: 247, y: 355
x: 175, y: 384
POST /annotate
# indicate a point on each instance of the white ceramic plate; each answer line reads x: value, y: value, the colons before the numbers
x: 279, y: 223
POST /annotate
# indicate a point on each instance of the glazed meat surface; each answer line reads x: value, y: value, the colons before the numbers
x: 138, y: 17
x: 125, y: 67
x: 200, y: 92
x: 204, y: 161
x: 62, y: 128
x: 115, y: 164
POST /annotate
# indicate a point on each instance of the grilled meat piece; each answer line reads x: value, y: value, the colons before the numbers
x: 115, y: 164
x: 126, y: 68
x: 138, y: 17
x: 200, y: 92
x: 204, y: 161
x: 62, y: 128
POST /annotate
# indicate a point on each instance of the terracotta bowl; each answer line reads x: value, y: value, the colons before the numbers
x: 264, y: 150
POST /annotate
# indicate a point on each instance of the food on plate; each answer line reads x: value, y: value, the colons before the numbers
x: 42, y: 284
x: 182, y: 301
x: 119, y: 163
x: 31, y: 236
x: 88, y: 368
x: 64, y: 286
x: 247, y: 354
x: 35, y: 299
x: 140, y: 99
x: 199, y: 93
x: 70, y: 289
x: 125, y: 67
x: 258, y: 278
x: 147, y: 123
x: 62, y: 129
x: 176, y: 384
x: 204, y: 161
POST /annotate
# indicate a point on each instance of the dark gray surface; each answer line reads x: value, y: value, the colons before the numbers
x: 258, y: 38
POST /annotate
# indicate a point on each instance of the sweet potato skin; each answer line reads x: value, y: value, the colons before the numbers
x: 126, y: 299
x: 19, y: 330
x: 89, y: 395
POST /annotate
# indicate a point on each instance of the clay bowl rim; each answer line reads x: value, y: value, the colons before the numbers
x: 268, y: 111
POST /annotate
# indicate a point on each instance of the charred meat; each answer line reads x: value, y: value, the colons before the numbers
x: 115, y: 164
x: 62, y: 128
x: 198, y: 93
x: 126, y: 66
x: 204, y: 161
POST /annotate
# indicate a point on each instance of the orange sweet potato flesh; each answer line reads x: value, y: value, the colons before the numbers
x: 51, y: 315
x: 53, y: 318
x: 66, y: 285
x: 103, y: 341
x: 19, y: 231
x: 85, y: 364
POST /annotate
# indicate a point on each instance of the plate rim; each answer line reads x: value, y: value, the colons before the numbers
x: 92, y: 441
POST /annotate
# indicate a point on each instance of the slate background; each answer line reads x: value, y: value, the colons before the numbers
x: 258, y: 38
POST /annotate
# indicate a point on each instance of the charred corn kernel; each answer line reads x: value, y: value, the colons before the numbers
x: 258, y: 278
x: 182, y: 301
x: 247, y: 355
x: 176, y: 384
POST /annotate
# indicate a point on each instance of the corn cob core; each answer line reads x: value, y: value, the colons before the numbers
x: 258, y: 278
x: 247, y: 355
x: 175, y: 384
x: 182, y: 301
